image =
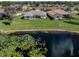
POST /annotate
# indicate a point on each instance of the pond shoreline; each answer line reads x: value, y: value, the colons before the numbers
x: 51, y: 37
x: 38, y: 30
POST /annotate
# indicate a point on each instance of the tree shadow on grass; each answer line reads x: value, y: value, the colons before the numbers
x: 72, y: 22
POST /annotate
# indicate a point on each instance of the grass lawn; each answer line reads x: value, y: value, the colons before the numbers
x: 18, y: 23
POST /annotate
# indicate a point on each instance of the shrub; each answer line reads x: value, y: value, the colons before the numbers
x: 7, y: 22
x: 22, y: 17
x: 20, y: 46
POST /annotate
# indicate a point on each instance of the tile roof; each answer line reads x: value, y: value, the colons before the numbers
x: 58, y: 12
x: 35, y: 12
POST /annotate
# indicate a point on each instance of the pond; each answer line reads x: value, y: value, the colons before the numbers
x: 59, y: 44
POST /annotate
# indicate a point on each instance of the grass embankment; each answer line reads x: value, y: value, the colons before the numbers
x: 21, y: 24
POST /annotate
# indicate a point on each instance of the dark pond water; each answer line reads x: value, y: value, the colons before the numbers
x: 59, y: 43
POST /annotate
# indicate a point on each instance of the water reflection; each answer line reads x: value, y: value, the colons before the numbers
x: 59, y: 43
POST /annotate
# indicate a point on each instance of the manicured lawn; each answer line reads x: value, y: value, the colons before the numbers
x: 18, y: 23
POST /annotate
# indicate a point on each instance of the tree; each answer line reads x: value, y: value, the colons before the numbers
x: 6, y: 3
x: 39, y: 50
x: 20, y: 46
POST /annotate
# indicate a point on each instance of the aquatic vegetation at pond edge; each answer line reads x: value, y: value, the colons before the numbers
x: 19, y: 46
x: 39, y: 44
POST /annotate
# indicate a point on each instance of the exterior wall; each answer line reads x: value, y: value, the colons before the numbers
x: 58, y: 17
x: 34, y: 17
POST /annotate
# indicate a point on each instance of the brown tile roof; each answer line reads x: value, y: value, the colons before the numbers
x: 40, y: 7
x: 58, y: 12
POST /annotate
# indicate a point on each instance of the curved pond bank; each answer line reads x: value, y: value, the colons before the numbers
x: 58, y: 42
x: 37, y: 30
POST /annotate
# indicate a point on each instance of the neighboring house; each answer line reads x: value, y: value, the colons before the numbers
x: 2, y: 13
x: 35, y: 14
x: 57, y: 14
x: 24, y: 7
x: 1, y: 10
x: 39, y: 7
x: 10, y: 10
x: 19, y: 7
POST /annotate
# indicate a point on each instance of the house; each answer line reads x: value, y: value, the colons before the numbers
x: 24, y: 7
x: 1, y: 10
x: 39, y: 7
x: 12, y: 11
x: 2, y: 13
x: 9, y: 10
x: 35, y: 14
x: 58, y: 14
x: 18, y: 7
